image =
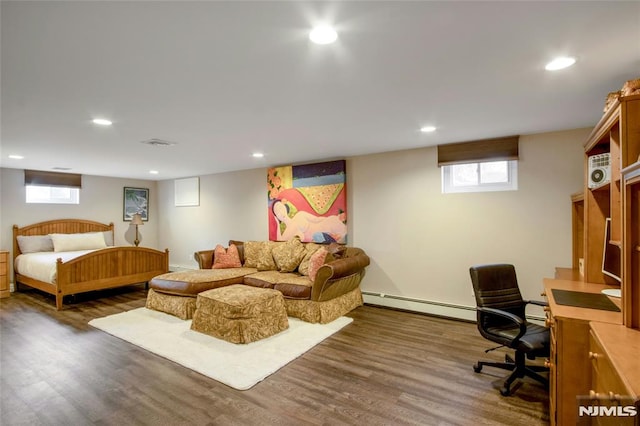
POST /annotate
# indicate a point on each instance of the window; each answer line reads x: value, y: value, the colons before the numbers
x: 52, y: 194
x: 478, y: 166
x: 51, y: 187
x: 480, y: 176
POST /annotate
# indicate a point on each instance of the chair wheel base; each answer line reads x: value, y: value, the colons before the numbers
x: 477, y: 368
x: 505, y: 391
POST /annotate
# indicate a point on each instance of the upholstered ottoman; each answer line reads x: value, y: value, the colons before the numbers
x: 240, y: 313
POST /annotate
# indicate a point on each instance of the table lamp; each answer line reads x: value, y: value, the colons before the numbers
x: 136, y: 220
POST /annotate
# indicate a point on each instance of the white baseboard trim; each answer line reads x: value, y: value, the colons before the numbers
x: 420, y: 305
x: 431, y: 307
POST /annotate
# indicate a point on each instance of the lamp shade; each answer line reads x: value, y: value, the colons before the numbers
x: 136, y: 219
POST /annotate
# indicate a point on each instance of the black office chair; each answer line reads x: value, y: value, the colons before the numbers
x: 501, y: 319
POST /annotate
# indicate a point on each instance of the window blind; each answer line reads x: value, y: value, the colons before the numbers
x: 479, y: 151
x: 41, y: 178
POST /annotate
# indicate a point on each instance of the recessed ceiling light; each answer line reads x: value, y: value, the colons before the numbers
x: 257, y: 155
x: 427, y: 129
x: 102, y: 122
x: 154, y: 172
x: 323, y: 35
x: 16, y: 157
x: 560, y: 63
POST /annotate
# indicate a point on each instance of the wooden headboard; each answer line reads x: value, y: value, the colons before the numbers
x: 59, y: 226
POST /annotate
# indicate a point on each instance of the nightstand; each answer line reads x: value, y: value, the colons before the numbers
x: 4, y: 274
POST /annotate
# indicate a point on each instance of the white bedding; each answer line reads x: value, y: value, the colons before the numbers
x: 42, y: 266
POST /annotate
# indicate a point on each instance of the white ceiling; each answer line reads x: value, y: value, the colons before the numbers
x: 225, y: 79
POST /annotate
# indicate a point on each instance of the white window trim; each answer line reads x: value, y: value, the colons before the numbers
x: 510, y: 185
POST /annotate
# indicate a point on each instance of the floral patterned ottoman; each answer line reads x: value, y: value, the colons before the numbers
x: 240, y: 313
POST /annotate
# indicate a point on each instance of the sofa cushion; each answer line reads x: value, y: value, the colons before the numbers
x: 288, y: 255
x: 226, y: 258
x: 291, y: 285
x: 266, y: 279
x: 298, y: 287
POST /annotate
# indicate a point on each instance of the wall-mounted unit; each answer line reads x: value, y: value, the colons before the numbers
x: 599, y: 170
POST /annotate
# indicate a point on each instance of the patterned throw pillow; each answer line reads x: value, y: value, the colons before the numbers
x: 310, y: 248
x: 265, y: 257
x: 252, y: 251
x: 289, y: 254
x: 317, y: 260
x: 337, y: 250
x: 226, y: 258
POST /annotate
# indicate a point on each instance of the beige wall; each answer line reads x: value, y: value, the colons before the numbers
x: 100, y: 200
x: 232, y: 206
x: 421, y: 242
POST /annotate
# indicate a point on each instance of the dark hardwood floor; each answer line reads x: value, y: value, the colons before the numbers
x: 386, y: 368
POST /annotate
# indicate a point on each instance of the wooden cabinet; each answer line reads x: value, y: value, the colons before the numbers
x: 631, y: 245
x: 575, y: 332
x: 618, y: 134
x: 569, y: 368
x: 615, y: 372
x: 4, y: 274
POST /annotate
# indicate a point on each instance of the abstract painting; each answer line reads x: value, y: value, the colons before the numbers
x: 308, y: 201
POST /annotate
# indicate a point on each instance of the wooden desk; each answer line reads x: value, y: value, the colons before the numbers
x: 569, y: 364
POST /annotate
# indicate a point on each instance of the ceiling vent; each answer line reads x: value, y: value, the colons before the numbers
x: 158, y: 142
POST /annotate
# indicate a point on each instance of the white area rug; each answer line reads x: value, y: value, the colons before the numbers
x: 239, y: 366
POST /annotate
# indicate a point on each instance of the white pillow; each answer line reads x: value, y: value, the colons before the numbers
x: 34, y: 243
x: 75, y: 242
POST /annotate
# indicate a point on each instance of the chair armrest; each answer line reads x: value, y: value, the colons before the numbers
x: 511, y: 317
x: 204, y: 258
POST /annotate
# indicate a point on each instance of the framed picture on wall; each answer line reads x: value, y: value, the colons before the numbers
x: 135, y: 200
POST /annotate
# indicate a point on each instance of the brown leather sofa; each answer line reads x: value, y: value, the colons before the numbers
x: 334, y: 291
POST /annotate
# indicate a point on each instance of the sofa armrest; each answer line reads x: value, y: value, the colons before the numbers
x: 204, y: 258
x: 339, y: 277
x: 343, y: 267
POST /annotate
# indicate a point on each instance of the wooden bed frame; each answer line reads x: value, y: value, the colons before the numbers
x: 101, y: 269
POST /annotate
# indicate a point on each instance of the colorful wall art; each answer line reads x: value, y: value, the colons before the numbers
x: 308, y: 201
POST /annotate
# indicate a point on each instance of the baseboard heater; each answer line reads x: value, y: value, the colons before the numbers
x: 432, y: 307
